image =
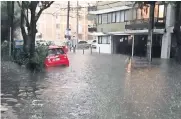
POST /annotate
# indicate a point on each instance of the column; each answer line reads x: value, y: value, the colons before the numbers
x: 166, y: 39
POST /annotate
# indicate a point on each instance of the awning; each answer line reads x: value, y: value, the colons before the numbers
x: 128, y: 32
x: 156, y: 31
x: 118, y: 33
x: 110, y: 10
x: 98, y: 34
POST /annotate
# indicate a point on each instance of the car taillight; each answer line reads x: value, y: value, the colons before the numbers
x: 48, y: 59
x: 65, y: 56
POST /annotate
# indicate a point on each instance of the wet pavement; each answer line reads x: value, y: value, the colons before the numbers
x: 93, y: 87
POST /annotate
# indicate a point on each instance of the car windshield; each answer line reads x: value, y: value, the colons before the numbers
x: 82, y: 42
x: 55, y: 51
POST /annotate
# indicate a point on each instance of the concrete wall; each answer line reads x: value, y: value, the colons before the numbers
x: 112, y: 27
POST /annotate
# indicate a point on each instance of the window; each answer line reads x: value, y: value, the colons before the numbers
x: 97, y: 19
x: 109, y: 18
x: 100, y: 19
x: 104, y: 40
x: 104, y: 18
x: 99, y: 40
x: 58, y: 36
x: 57, y: 26
x: 161, y: 11
x: 113, y: 17
x: 122, y: 16
x: 156, y: 11
x: 108, y: 40
x: 138, y: 13
x: 118, y: 16
x: 127, y: 14
x: 145, y: 12
x: 134, y: 14
x: 56, y: 16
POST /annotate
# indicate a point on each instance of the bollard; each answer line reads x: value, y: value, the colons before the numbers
x: 70, y: 49
x: 83, y: 51
x: 99, y: 50
x: 74, y: 49
x: 91, y: 50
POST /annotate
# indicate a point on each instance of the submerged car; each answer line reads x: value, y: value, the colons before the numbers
x: 56, y: 56
x: 62, y: 44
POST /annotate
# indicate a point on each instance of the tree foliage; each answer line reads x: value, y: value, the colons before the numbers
x: 28, y: 26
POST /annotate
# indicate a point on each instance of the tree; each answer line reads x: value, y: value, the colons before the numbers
x: 29, y: 35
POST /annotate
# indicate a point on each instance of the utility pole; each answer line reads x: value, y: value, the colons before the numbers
x: 150, y: 31
x: 12, y: 28
x: 77, y: 23
x: 10, y: 12
x: 68, y: 14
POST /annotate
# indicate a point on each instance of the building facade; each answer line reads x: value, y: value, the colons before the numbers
x: 52, y: 23
x: 119, y: 23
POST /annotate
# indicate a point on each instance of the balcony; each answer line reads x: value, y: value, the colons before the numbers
x: 140, y: 24
x: 92, y: 8
x: 92, y: 28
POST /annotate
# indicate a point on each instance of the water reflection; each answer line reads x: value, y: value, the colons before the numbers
x: 95, y: 86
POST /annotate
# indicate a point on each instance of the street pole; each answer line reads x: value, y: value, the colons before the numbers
x: 77, y: 24
x: 12, y: 28
x: 150, y: 31
x: 132, y: 47
x: 68, y: 14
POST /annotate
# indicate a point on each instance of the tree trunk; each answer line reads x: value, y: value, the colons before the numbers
x: 33, y: 28
x: 23, y: 31
x: 150, y: 32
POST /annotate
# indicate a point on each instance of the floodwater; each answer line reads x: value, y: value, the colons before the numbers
x: 96, y: 86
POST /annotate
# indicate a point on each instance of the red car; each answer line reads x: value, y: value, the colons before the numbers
x: 56, y: 56
x: 65, y: 48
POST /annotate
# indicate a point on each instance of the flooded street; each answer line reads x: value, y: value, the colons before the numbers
x: 93, y: 87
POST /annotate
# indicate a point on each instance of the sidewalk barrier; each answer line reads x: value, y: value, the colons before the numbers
x: 74, y: 49
x: 83, y: 50
x: 91, y: 50
x: 99, y: 50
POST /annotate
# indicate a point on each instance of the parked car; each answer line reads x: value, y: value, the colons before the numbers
x: 41, y: 42
x: 56, y: 57
x: 62, y: 44
x: 83, y: 45
x: 94, y: 44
